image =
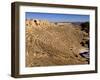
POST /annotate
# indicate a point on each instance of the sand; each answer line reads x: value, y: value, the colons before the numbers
x: 50, y: 44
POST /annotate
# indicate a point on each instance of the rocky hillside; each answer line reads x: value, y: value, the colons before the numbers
x: 50, y: 44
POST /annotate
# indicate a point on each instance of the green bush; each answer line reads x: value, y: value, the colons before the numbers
x: 85, y: 27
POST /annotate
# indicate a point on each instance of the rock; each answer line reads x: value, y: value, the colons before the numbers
x: 53, y: 44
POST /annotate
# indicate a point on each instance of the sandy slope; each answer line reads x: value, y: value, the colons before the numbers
x: 49, y: 44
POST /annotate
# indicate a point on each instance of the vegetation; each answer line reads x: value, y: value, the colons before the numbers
x: 85, y: 27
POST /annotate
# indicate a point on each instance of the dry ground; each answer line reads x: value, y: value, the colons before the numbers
x: 50, y: 44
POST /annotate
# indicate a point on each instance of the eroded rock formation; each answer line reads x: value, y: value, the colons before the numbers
x: 50, y: 44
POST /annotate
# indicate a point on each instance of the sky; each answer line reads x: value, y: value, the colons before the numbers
x: 55, y: 17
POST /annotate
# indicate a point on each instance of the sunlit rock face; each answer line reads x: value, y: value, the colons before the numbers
x: 50, y: 44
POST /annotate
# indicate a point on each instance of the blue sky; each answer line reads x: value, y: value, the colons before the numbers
x: 53, y: 17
